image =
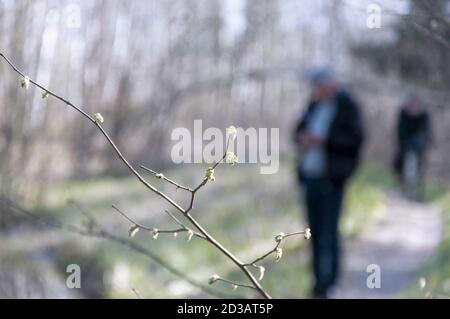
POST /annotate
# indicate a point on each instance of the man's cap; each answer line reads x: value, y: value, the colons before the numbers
x: 320, y: 75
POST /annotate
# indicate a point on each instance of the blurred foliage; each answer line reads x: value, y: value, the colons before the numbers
x: 436, y: 272
x: 246, y: 222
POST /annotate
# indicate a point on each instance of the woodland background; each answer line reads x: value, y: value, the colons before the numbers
x: 151, y: 66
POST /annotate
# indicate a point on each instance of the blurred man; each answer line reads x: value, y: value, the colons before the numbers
x: 413, y: 140
x: 329, y: 135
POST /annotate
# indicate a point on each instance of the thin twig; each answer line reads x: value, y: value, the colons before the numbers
x: 105, y: 134
x: 270, y: 252
x: 163, y: 177
x: 157, y: 230
x: 92, y: 221
x: 105, y: 234
x: 136, y: 293
x: 191, y: 219
x: 274, y: 249
x: 90, y: 118
x: 235, y: 283
x: 205, y: 179
x: 174, y: 218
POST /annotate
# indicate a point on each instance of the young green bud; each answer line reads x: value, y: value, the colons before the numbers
x: 99, y: 118
x: 231, y: 158
x: 278, y: 254
x: 213, y: 279
x: 25, y: 82
x: 422, y: 283
x: 210, y: 174
x: 45, y: 95
x: 133, y: 231
x: 279, y: 237
x: 307, y: 233
x: 262, y: 270
x: 190, y: 234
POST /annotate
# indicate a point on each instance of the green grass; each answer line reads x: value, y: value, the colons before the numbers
x: 242, y: 209
x: 364, y: 197
x: 437, y: 270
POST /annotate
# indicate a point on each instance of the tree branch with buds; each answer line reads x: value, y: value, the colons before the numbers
x: 197, y: 230
x: 277, y: 250
x: 155, y: 231
x: 93, y: 229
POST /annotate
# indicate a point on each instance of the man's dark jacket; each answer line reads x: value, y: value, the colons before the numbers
x: 411, y: 127
x: 345, y: 137
x: 413, y: 134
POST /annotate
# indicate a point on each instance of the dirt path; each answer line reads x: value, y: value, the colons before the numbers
x: 401, y: 240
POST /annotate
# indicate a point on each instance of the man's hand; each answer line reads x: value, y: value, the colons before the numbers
x: 308, y: 140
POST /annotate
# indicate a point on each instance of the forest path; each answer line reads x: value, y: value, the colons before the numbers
x: 401, y: 240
